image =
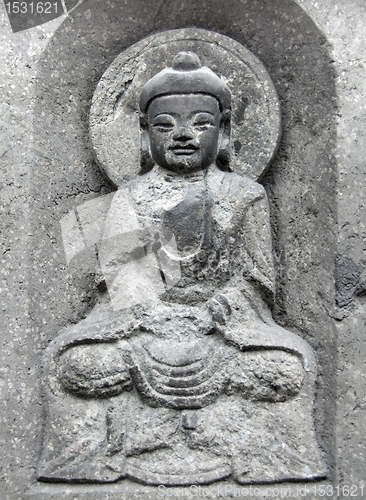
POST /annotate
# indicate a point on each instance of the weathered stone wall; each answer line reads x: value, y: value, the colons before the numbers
x: 343, y: 25
x: 315, y: 57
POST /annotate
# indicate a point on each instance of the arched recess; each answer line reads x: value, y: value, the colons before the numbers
x: 300, y: 183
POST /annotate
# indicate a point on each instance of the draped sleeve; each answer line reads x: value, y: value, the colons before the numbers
x: 258, y: 267
x: 241, y: 212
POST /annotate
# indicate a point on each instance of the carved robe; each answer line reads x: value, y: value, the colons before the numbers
x: 183, y: 377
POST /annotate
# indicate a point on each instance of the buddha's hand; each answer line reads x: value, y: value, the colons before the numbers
x: 97, y: 370
x: 220, y: 310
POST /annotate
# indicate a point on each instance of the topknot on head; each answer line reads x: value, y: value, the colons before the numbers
x: 185, y: 76
x: 186, y: 61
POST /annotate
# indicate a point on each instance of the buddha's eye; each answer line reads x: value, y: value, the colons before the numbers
x: 203, y: 125
x: 163, y: 123
x: 163, y: 126
x: 203, y: 121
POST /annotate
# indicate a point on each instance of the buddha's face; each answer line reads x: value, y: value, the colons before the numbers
x: 184, y: 131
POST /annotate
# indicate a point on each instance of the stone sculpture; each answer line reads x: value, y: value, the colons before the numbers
x: 180, y: 375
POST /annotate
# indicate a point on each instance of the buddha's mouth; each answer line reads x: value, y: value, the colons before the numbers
x: 184, y: 150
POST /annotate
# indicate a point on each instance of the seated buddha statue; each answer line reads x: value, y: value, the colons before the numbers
x: 180, y: 375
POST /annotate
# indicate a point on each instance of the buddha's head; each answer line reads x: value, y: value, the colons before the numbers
x: 185, y: 118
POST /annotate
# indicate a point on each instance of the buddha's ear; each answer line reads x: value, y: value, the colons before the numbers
x: 146, y: 161
x: 223, y: 154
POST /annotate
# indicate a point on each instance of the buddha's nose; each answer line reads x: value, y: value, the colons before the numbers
x: 183, y: 134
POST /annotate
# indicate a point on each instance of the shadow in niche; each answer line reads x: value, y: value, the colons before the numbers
x: 300, y: 183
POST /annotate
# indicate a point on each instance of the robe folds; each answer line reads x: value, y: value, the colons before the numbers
x: 181, y: 376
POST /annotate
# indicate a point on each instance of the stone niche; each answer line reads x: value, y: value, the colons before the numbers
x: 299, y: 184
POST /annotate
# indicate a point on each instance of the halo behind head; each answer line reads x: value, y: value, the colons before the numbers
x: 114, y: 116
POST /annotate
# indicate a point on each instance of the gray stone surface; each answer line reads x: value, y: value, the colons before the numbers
x: 281, y: 35
x: 179, y: 375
